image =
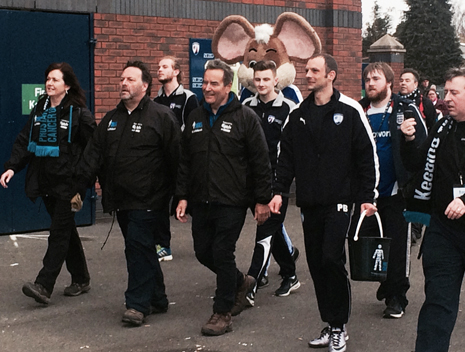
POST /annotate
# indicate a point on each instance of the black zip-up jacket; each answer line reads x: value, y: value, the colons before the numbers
x: 54, y: 176
x: 135, y: 157
x: 446, y: 170
x: 228, y: 163
x: 272, y: 116
x: 331, y: 153
x: 395, y: 120
x: 182, y: 101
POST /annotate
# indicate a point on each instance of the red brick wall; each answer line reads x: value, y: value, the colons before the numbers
x: 122, y: 37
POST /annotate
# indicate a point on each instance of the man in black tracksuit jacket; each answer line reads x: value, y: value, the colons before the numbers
x: 135, y: 153
x: 273, y: 109
x: 440, y: 192
x: 224, y: 168
x: 328, y: 147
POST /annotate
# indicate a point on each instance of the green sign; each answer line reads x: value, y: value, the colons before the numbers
x: 30, y: 94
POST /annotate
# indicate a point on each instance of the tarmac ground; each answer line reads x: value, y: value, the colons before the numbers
x: 92, y: 321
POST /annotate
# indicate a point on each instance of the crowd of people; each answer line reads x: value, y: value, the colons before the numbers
x: 395, y: 154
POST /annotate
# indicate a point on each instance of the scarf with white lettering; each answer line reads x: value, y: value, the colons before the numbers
x: 44, y: 134
x: 419, y: 203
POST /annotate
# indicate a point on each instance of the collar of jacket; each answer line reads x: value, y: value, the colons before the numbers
x: 334, y: 98
x: 231, y: 100
x: 141, y: 105
x: 177, y: 91
x: 277, y: 102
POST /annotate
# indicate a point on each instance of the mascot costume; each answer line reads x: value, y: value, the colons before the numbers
x: 291, y: 38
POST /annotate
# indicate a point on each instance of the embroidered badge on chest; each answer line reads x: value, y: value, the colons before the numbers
x: 64, y: 124
x: 226, y: 126
x: 271, y: 119
x: 338, y: 118
x: 112, y: 125
x: 400, y: 118
x: 136, y: 127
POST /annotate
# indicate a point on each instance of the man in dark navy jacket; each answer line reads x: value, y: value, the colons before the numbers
x: 224, y: 168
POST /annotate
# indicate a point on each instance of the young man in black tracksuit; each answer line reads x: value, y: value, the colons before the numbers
x: 181, y: 101
x: 224, y: 168
x: 386, y: 112
x: 327, y: 146
x: 273, y: 109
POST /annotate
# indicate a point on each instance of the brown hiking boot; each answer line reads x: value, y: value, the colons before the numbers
x: 133, y: 317
x: 241, y: 295
x: 218, y: 324
x: 36, y: 291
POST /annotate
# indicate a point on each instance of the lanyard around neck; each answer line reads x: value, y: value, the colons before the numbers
x: 383, y: 118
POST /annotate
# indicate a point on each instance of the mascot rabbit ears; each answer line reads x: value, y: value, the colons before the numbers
x: 292, y: 37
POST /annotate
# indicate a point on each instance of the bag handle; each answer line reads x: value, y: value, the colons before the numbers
x: 362, y: 216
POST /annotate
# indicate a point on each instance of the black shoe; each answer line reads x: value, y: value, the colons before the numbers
x: 263, y: 282
x: 287, y: 285
x: 295, y: 254
x: 158, y: 309
x: 36, y: 291
x: 394, y: 309
x: 76, y: 289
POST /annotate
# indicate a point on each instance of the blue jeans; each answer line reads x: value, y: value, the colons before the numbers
x: 215, y: 230
x: 443, y: 267
x: 145, y: 278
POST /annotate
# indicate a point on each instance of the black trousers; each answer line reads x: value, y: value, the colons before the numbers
x: 145, y: 278
x: 164, y: 231
x: 269, y: 239
x: 325, y: 229
x: 64, y: 245
x: 215, y: 230
x: 395, y: 227
x: 443, y: 267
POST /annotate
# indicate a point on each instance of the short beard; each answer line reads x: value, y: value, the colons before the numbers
x: 164, y: 81
x: 380, y: 96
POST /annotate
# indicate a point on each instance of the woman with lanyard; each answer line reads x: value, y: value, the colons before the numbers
x: 51, y: 144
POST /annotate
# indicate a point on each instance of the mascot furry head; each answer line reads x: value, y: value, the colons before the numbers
x: 291, y: 38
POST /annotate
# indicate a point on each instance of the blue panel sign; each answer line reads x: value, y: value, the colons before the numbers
x: 200, y: 52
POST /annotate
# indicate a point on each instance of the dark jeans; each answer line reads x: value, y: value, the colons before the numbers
x: 64, y: 244
x: 145, y: 278
x: 164, y: 233
x: 443, y: 267
x: 395, y: 227
x: 325, y: 229
x: 215, y: 230
x: 269, y: 238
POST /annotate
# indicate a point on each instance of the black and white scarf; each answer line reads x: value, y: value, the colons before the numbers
x: 412, y: 96
x: 419, y: 202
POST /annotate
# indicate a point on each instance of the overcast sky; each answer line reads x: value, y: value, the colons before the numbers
x: 395, y: 8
